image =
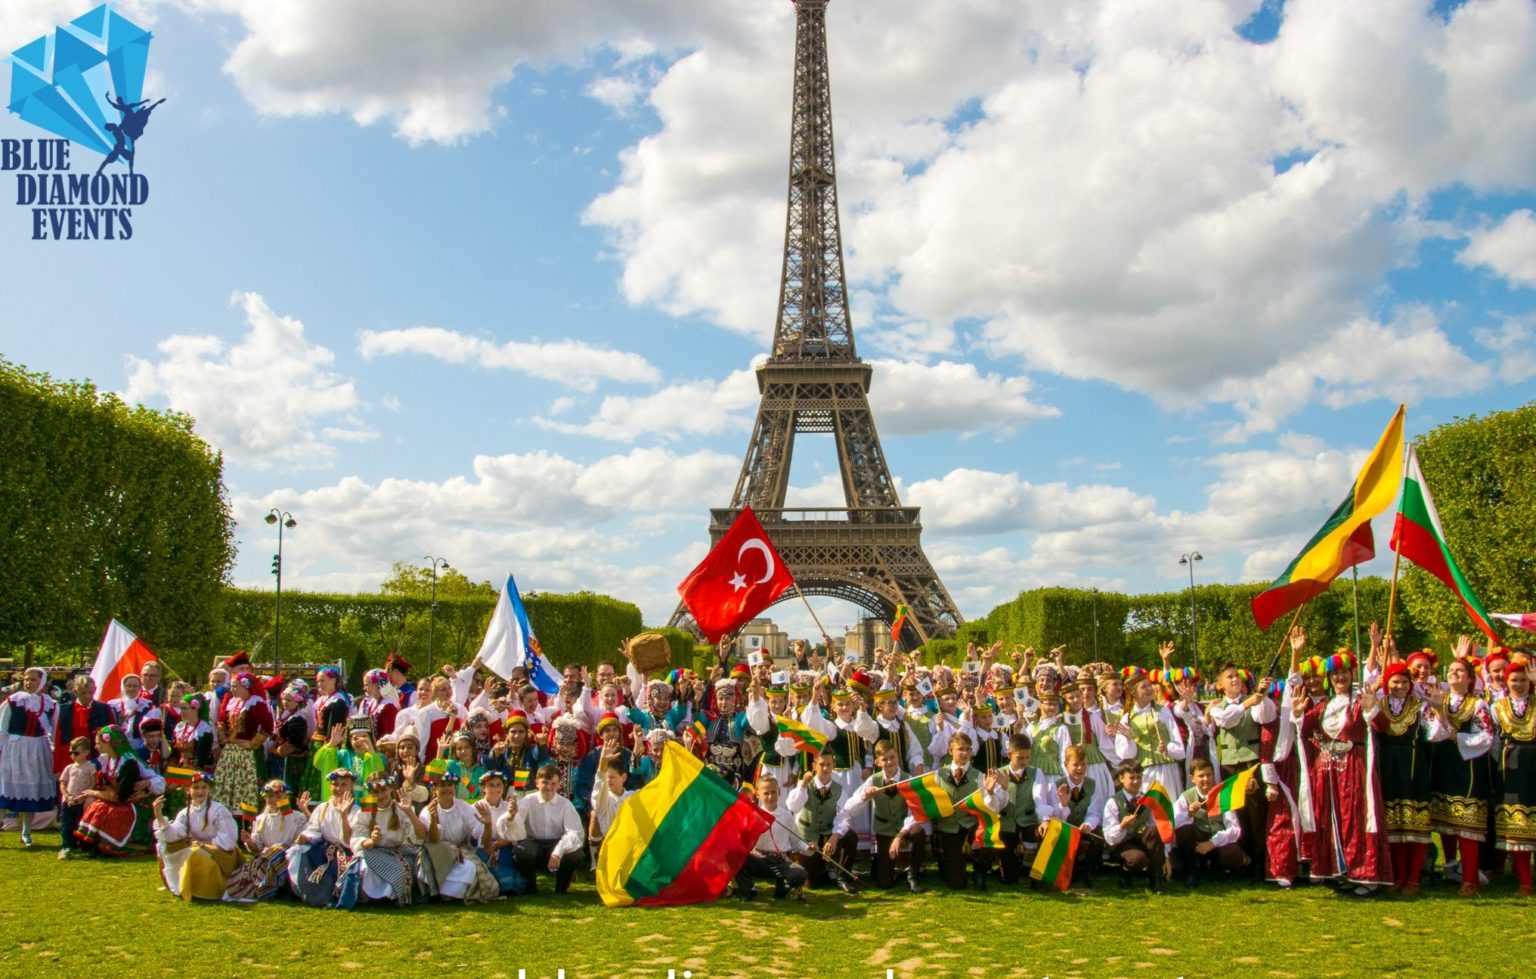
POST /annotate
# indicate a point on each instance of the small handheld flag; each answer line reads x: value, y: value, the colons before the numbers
x: 989, y: 825
x: 1058, y: 851
x: 1156, y: 801
x: 926, y: 798
x: 1230, y: 795
x: 805, y: 738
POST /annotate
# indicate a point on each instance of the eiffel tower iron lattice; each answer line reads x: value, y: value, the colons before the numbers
x: 869, y: 552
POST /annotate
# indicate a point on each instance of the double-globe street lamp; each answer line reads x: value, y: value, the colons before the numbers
x: 435, y: 564
x: 283, y: 519
x: 1194, y: 634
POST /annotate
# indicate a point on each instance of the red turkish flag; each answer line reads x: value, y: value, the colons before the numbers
x: 738, y: 579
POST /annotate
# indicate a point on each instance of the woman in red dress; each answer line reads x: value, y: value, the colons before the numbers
x: 1341, y: 784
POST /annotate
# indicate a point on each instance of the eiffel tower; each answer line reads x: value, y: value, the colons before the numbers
x: 868, y: 552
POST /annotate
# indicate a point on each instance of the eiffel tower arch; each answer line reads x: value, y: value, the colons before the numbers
x: 867, y: 552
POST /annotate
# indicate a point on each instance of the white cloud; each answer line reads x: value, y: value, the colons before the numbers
x: 972, y: 501
x: 569, y: 362
x: 617, y: 92
x: 557, y: 523
x: 1515, y: 344
x: 692, y: 408
x: 267, y: 398
x: 1405, y: 360
x: 1508, y: 248
x: 919, y: 399
x: 906, y: 398
x: 433, y: 70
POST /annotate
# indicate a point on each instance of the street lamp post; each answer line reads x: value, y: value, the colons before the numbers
x: 1095, y: 593
x: 283, y: 519
x: 435, y: 564
x: 1194, y: 629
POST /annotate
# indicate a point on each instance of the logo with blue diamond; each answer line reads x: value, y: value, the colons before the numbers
x: 84, y: 84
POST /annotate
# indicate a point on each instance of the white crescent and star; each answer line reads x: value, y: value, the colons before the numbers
x: 739, y: 580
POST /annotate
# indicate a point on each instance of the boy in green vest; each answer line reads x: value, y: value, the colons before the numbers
x: 815, y: 803
x: 1131, y: 833
x: 1077, y: 803
x: 955, y: 832
x: 894, y: 825
x: 1022, y: 828
x: 1204, y: 841
x: 1237, y: 719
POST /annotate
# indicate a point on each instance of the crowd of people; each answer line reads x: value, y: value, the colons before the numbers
x: 469, y: 787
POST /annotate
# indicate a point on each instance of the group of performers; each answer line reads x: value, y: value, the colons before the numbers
x: 469, y: 787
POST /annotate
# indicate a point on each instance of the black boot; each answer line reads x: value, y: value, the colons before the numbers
x: 1125, y: 880
x: 912, y: 884
x: 979, y: 879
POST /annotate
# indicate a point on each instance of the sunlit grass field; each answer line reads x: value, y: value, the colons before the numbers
x: 79, y: 917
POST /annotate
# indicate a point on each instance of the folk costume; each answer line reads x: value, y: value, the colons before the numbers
x: 1345, y: 795
x: 27, y: 783
x: 197, y: 850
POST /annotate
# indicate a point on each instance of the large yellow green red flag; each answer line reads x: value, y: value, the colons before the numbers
x: 680, y: 839
x: 1345, y: 540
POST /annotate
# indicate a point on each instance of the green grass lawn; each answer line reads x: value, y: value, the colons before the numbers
x: 79, y: 915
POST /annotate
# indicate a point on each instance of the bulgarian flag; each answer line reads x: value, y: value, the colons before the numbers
x: 926, y: 798
x: 1345, y: 539
x: 121, y: 653
x: 1418, y: 536
x: 805, y: 738
x: 1230, y: 795
x: 1156, y: 801
x: 1058, y: 851
x: 1520, y: 620
x: 899, y: 622
x: 989, y: 825
x: 680, y: 839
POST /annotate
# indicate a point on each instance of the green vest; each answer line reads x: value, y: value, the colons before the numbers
x: 972, y: 781
x: 1047, y: 756
x: 1127, y: 807
x: 1020, y: 812
x: 816, y: 819
x: 1077, y: 809
x: 847, y: 749
x: 1206, y: 826
x: 889, y: 807
x: 1149, y: 731
x: 1083, y: 734
x: 991, y: 754
x: 1239, y: 744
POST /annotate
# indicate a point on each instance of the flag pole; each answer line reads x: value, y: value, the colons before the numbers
x: 814, y: 619
x: 1285, y: 637
x: 1397, y: 559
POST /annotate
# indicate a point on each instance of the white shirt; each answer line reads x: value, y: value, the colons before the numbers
x: 403, y: 832
x: 782, y: 836
x: 856, y: 803
x: 1114, y: 833
x: 458, y: 825
x: 556, y: 819
x: 1049, y: 807
x: 606, y: 804
x: 276, y: 829
x: 209, y: 823
x: 325, y: 823
x: 1231, y: 826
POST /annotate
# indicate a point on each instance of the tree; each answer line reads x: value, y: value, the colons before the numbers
x: 1485, y: 490
x: 108, y: 511
x: 456, y: 629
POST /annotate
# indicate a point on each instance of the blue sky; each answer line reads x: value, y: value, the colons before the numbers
x: 1135, y: 281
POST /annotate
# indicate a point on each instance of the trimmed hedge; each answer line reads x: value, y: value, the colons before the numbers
x: 1132, y: 626
x: 360, y: 630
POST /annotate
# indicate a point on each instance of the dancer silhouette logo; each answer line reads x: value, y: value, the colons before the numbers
x: 84, y: 84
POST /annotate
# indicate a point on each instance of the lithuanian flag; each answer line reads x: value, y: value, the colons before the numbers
x: 989, y: 825
x: 680, y: 839
x: 805, y: 738
x: 1418, y: 536
x: 926, y: 798
x: 1053, y: 864
x: 1345, y: 540
x: 247, y: 812
x: 899, y: 622
x: 368, y: 803
x: 1156, y: 801
x: 180, y: 776
x: 1230, y: 794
